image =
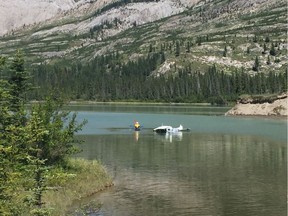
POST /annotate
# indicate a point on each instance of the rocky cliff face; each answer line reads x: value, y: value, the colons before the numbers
x: 15, y: 14
x: 127, y: 16
x: 277, y: 106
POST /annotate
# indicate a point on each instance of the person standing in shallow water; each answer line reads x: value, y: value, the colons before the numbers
x: 136, y: 126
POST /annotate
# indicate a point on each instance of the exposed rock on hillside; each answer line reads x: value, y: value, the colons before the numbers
x: 15, y: 14
x: 83, y: 29
x: 269, y: 106
x: 127, y: 16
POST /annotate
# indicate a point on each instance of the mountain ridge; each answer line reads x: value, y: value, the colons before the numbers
x: 231, y: 33
x: 14, y: 15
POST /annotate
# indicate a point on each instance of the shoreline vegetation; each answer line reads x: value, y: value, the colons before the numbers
x: 82, y: 179
x: 39, y: 174
x: 66, y: 187
x: 90, y: 102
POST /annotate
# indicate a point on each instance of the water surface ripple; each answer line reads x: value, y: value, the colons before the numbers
x: 223, y: 166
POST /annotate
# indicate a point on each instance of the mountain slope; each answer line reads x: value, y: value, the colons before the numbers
x: 228, y: 33
x: 18, y: 13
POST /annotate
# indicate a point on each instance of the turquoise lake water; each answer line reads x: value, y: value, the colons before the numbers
x: 222, y: 166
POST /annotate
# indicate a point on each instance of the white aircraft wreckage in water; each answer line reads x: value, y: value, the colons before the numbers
x: 169, y: 129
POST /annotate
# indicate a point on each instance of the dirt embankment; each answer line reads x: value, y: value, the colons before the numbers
x: 261, y: 106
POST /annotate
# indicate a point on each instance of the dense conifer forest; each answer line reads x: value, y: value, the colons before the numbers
x: 107, y: 78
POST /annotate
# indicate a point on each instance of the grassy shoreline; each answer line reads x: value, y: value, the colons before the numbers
x: 82, y: 179
x: 82, y: 102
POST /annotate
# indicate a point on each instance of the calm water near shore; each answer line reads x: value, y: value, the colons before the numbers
x: 222, y: 166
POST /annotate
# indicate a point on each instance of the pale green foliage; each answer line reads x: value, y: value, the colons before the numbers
x: 19, y: 81
x: 2, y: 61
x: 30, y: 143
x: 56, y: 139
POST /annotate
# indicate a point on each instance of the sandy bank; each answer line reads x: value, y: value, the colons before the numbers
x: 278, y: 107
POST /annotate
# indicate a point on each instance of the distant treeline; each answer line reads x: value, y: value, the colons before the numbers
x: 107, y: 78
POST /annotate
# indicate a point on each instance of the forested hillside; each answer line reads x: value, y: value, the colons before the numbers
x: 106, y: 78
x: 208, y: 51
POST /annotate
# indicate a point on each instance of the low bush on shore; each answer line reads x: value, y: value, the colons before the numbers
x: 264, y: 98
x: 81, y: 179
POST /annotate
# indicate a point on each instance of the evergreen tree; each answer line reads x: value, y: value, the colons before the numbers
x: 225, y: 51
x: 256, y: 65
x: 264, y: 49
x: 273, y: 50
x: 255, y: 39
x: 29, y: 144
x: 199, y: 41
x: 150, y: 48
x: 12, y: 137
x: 268, y: 60
x: 18, y: 81
x: 248, y: 50
x: 177, y: 49
x: 188, y: 47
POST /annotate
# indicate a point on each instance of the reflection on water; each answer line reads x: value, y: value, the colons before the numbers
x: 190, y: 174
x: 164, y: 137
x: 170, y: 137
x: 150, y: 108
x: 223, y: 166
x: 136, y: 135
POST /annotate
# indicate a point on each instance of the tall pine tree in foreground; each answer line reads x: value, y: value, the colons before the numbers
x: 31, y: 143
